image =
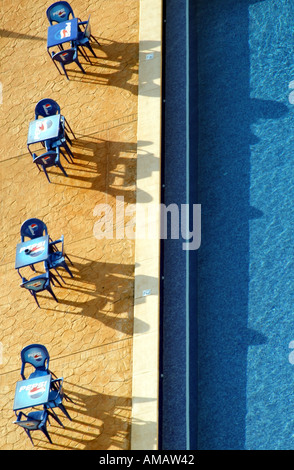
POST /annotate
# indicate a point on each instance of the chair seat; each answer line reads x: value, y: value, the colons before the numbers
x: 40, y: 283
x: 32, y: 421
x: 82, y: 38
x: 38, y: 373
x: 55, y: 258
x: 54, y: 396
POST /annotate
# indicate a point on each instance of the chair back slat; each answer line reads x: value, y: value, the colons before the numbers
x: 87, y: 31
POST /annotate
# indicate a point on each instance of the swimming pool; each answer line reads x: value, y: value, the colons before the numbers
x: 245, y: 272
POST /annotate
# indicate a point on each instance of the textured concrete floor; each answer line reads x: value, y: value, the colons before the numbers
x: 89, y: 332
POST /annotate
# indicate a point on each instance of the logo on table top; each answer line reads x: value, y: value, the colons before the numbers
x: 37, y: 391
x: 35, y: 249
x: 42, y: 126
x: 60, y: 13
x: 34, y: 390
x: 64, y: 33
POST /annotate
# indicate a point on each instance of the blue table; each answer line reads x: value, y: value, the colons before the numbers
x: 43, y: 129
x: 32, y: 392
x: 31, y: 252
x: 59, y: 33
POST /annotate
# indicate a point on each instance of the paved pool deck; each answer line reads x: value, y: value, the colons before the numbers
x: 99, y: 331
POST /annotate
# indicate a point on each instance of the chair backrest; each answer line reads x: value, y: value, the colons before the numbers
x: 58, y: 12
x: 46, y: 107
x: 35, y: 355
x: 33, y: 228
x: 66, y: 56
x: 87, y: 31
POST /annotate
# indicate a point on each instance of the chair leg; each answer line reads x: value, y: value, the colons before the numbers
x: 35, y: 297
x: 67, y: 138
x: 54, y: 278
x: 44, y: 430
x: 64, y: 410
x: 62, y: 169
x: 49, y: 289
x: 30, y: 437
x: 65, y: 72
x: 65, y: 156
x: 82, y: 52
x: 56, y: 66
x: 67, y: 398
x: 67, y: 269
x: 54, y: 416
x: 67, y: 257
x: 91, y: 49
x: 58, y: 273
x: 78, y: 63
x: 68, y: 150
x: 96, y: 40
x: 46, y: 174
x: 66, y: 122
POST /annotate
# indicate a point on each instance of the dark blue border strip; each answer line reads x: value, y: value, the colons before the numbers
x: 177, y: 415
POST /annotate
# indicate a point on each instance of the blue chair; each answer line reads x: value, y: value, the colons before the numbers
x: 33, y: 228
x: 58, y: 12
x: 56, y: 258
x: 51, y: 145
x: 66, y: 57
x: 36, y: 421
x: 39, y: 284
x: 37, y: 356
x: 56, y: 396
x: 48, y: 160
x: 84, y: 36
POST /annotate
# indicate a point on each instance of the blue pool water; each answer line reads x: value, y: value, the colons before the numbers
x: 246, y: 189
